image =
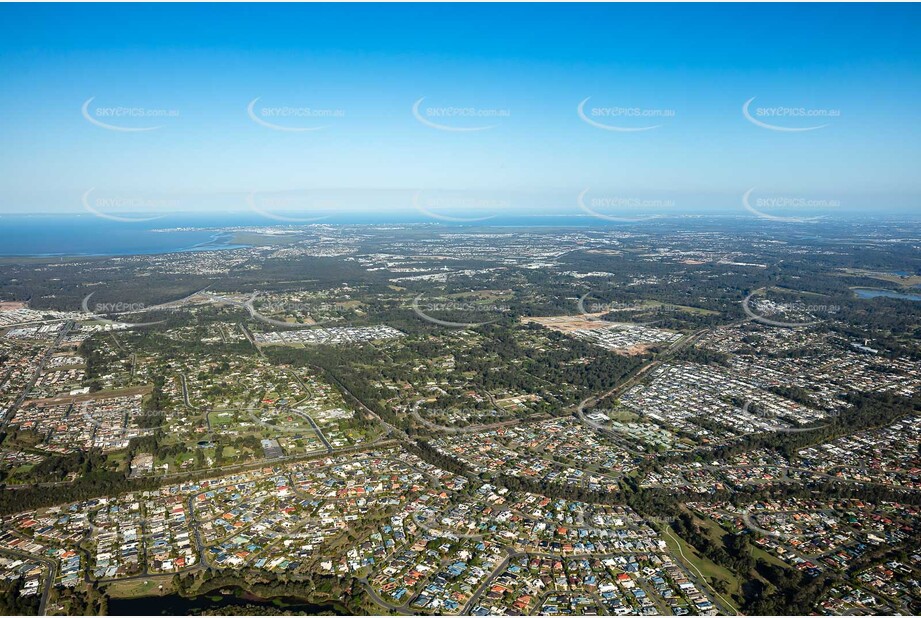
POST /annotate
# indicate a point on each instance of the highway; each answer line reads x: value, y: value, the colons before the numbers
x: 65, y: 330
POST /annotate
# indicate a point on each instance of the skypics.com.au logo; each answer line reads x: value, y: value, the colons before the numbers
x: 771, y: 419
x: 760, y: 309
x: 304, y: 313
x: 425, y: 308
x: 622, y: 119
x: 108, y: 312
x: 118, y: 308
x: 784, y: 119
x: 460, y: 206
x: 136, y: 423
x: 591, y: 307
x: 453, y: 119
x: 292, y: 119
x: 298, y: 207
x: 125, y: 119
x: 622, y: 208
x: 781, y: 208
x: 127, y: 208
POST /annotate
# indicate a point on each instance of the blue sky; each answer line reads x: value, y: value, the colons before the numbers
x: 535, y: 64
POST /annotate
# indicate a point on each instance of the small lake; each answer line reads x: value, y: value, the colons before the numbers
x: 871, y: 293
x: 176, y: 605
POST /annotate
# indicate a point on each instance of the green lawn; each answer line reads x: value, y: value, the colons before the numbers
x: 145, y: 587
x: 707, y: 568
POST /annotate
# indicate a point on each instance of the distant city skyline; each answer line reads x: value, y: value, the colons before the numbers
x: 542, y: 109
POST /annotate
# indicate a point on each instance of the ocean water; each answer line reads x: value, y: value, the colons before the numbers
x: 87, y: 235
x: 47, y: 235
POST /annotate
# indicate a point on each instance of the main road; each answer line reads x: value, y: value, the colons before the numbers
x: 65, y: 329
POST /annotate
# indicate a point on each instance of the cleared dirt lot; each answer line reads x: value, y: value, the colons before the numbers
x: 569, y: 323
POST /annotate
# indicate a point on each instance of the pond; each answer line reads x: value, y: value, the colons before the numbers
x: 871, y: 293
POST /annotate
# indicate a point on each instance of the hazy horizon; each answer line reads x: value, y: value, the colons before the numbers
x: 136, y: 105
